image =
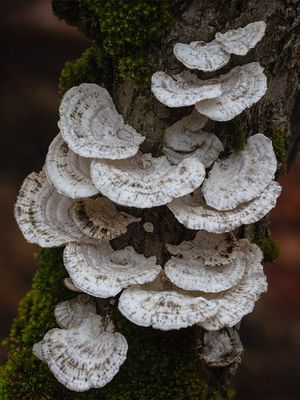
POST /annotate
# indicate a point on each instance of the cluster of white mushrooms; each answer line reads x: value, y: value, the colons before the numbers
x: 94, y: 162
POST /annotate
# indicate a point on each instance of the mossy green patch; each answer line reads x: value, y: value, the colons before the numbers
x: 269, y: 247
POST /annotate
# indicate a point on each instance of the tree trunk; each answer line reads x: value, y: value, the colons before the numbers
x: 160, y: 365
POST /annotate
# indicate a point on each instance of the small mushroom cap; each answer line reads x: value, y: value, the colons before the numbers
x: 240, y: 41
x: 92, y: 127
x: 185, y: 138
x: 241, y: 87
x: 183, y: 89
x: 70, y: 285
x: 100, y: 271
x: 191, y: 273
x: 99, y: 218
x: 37, y: 350
x: 86, y: 356
x: 43, y: 215
x: 213, y: 249
x: 71, y: 313
x: 164, y: 306
x: 222, y: 348
x: 203, y: 56
x: 242, y: 176
x: 144, y: 181
x: 240, y: 300
x: 68, y: 172
x: 194, y: 213
x: 148, y: 227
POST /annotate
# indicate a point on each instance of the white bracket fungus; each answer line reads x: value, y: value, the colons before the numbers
x: 183, y: 89
x: 164, y: 306
x: 241, y: 87
x: 242, y: 176
x: 92, y: 127
x: 144, y: 181
x: 99, y: 218
x: 70, y: 285
x: 43, y: 215
x: 68, y: 172
x: 71, y: 313
x: 99, y: 270
x: 222, y: 348
x: 86, y: 356
x: 192, y: 211
x: 186, y: 138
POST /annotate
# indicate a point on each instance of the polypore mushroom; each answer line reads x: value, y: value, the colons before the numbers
x: 164, y: 306
x: 43, y: 215
x: 99, y: 270
x: 222, y: 348
x: 183, y: 89
x: 192, y: 211
x: 241, y: 87
x: 92, y: 127
x: 191, y: 273
x: 68, y: 172
x: 144, y: 181
x: 71, y: 313
x: 240, y: 41
x: 185, y: 138
x: 99, y: 218
x: 86, y: 356
x: 70, y: 285
x: 242, y: 176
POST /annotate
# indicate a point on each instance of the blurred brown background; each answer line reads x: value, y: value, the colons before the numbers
x: 34, y: 47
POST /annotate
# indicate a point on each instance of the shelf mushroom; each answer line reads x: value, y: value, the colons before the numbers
x: 71, y: 313
x: 85, y: 356
x: 143, y: 181
x: 92, y: 127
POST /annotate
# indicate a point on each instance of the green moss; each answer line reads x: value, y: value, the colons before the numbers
x: 279, y: 144
x: 239, y: 140
x: 270, y: 248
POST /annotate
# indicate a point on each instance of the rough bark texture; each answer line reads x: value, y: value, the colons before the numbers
x: 163, y: 365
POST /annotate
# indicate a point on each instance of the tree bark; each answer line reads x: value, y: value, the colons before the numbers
x: 167, y: 365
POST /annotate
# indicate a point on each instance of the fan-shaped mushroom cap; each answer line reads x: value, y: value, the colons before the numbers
x: 194, y: 213
x: 164, y: 306
x: 238, y: 301
x: 73, y: 312
x: 241, y: 87
x: 240, y: 41
x: 37, y: 350
x: 183, y: 89
x: 92, y: 127
x: 211, y: 248
x: 43, y: 215
x: 68, y: 172
x: 222, y: 348
x: 144, y: 181
x: 186, y: 138
x: 86, y: 356
x: 242, y: 176
x: 99, y: 270
x: 191, y: 273
x: 70, y: 285
x: 99, y: 218
x: 203, y: 56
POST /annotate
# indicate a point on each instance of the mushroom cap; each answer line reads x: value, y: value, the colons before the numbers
x: 203, y: 56
x: 99, y: 218
x: 70, y: 285
x: 100, y: 271
x: 222, y: 348
x: 144, y: 181
x: 43, y: 215
x: 240, y: 300
x: 164, y: 306
x: 213, y: 249
x: 194, y: 213
x: 241, y: 87
x: 183, y: 89
x: 240, y: 41
x: 242, y: 176
x: 68, y: 172
x: 185, y: 138
x: 92, y: 127
x: 37, y: 350
x: 71, y: 313
x: 86, y: 356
